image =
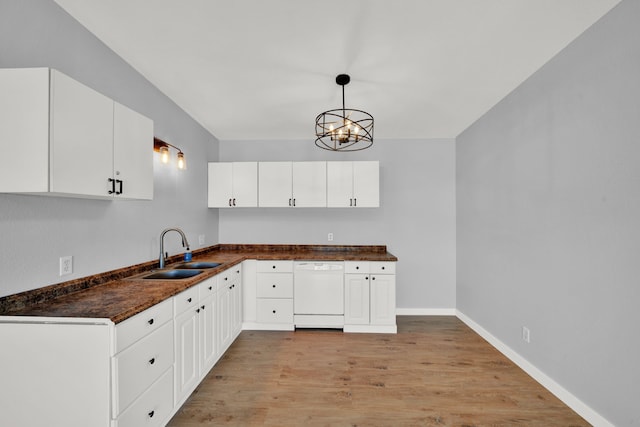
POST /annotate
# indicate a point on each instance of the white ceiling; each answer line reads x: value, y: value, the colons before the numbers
x: 263, y: 69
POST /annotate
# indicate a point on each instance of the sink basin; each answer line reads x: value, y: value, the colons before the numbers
x: 198, y: 265
x: 173, y: 274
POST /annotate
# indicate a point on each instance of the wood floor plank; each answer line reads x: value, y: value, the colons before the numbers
x: 435, y: 372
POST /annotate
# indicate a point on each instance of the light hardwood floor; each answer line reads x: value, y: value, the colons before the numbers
x: 435, y: 372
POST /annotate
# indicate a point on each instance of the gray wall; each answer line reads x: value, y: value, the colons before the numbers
x: 101, y: 235
x: 548, y: 225
x: 416, y: 217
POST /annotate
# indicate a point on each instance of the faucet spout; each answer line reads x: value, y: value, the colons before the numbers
x: 185, y: 243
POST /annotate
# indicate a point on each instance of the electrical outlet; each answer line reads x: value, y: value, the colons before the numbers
x: 66, y: 265
x: 526, y: 335
x: 201, y: 239
x: 330, y: 237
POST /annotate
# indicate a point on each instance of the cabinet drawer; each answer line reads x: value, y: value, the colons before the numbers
x: 153, y: 407
x: 274, y: 285
x: 270, y: 310
x: 275, y: 267
x: 185, y: 300
x: 382, y: 267
x: 136, y: 368
x: 208, y: 287
x: 356, y: 267
x: 136, y: 327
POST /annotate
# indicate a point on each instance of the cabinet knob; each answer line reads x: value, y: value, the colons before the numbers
x: 274, y: 286
x: 274, y: 312
x: 151, y: 414
x: 373, y: 278
x: 226, y: 278
x: 366, y: 278
x: 150, y: 321
x: 357, y: 267
x: 273, y: 267
x: 383, y: 267
x: 230, y: 287
x: 152, y: 361
x: 210, y: 287
x: 202, y: 307
x: 188, y: 299
x: 198, y: 311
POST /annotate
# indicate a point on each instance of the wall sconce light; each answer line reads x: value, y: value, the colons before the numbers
x: 162, y: 147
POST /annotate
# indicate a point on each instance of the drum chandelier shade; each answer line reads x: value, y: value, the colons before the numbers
x: 344, y: 129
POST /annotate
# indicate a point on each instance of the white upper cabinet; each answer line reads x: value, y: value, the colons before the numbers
x: 275, y: 180
x: 132, y: 153
x: 233, y: 184
x: 294, y: 184
x: 309, y: 184
x: 67, y: 139
x: 353, y: 184
x: 81, y: 138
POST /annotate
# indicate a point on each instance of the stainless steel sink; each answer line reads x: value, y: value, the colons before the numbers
x: 198, y: 265
x: 174, y: 274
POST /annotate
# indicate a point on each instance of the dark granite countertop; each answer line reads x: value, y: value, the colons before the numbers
x: 120, y: 294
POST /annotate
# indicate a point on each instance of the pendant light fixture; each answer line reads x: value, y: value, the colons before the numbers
x: 162, y: 147
x: 344, y: 129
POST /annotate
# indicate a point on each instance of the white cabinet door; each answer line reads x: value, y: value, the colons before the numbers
x: 132, y: 154
x: 309, y: 184
x: 245, y: 184
x: 383, y: 299
x: 353, y: 184
x: 81, y: 144
x: 233, y: 184
x: 339, y: 184
x: 187, y: 339
x: 366, y: 184
x: 275, y: 181
x: 24, y: 130
x: 224, y: 317
x: 356, y: 299
x: 207, y: 325
x: 220, y: 189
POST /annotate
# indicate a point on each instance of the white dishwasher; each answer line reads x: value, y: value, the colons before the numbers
x: 318, y: 294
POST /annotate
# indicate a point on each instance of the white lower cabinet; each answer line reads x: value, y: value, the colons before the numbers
x: 140, y: 365
x: 356, y: 299
x: 274, y: 294
x: 196, y: 346
x: 187, y: 343
x: 370, y: 297
x: 153, y: 407
x: 142, y: 368
x: 229, y: 306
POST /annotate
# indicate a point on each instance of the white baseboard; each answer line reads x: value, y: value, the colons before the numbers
x: 425, y: 311
x: 560, y: 392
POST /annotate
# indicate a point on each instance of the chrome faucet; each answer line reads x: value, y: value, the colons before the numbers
x: 185, y: 243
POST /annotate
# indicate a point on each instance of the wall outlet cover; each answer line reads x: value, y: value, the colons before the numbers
x: 66, y: 265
